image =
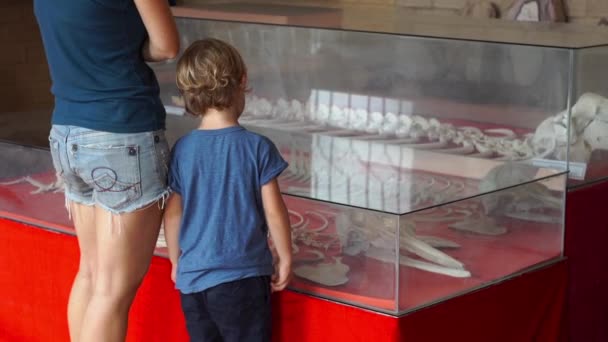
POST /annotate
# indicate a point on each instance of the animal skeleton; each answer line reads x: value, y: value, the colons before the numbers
x: 56, y: 186
x: 410, y: 130
x: 385, y: 255
x: 525, y: 201
x: 377, y: 237
x: 480, y: 224
x: 326, y: 273
x: 550, y: 140
x: 372, y: 236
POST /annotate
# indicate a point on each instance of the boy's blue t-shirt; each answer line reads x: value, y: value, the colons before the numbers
x: 99, y: 77
x: 219, y: 175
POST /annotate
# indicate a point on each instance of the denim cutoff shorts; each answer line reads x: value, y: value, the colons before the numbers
x: 120, y: 172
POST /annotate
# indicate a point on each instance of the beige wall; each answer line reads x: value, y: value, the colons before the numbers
x: 587, y: 11
x: 24, y: 76
x: 579, y: 11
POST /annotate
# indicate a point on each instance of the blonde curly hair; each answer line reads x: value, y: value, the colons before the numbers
x: 210, y: 74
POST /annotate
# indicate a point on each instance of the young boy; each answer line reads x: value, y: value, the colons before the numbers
x: 225, y: 199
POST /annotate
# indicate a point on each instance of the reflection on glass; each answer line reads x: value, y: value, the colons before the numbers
x: 397, y: 263
x: 484, y: 100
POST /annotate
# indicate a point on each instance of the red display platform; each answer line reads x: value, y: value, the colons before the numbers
x: 585, y: 248
x: 487, y: 258
x: 38, y: 266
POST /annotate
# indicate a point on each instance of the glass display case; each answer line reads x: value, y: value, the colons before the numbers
x: 420, y: 168
x: 423, y: 165
x: 373, y: 225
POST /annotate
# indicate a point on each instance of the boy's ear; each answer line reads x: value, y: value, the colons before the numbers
x: 244, y: 82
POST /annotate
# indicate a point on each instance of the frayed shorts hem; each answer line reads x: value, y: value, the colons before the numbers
x: 141, y: 204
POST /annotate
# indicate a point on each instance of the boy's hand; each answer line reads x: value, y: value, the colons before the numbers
x: 281, y: 276
x: 173, y: 272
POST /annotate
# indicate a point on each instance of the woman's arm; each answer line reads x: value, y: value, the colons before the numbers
x: 280, y: 232
x: 163, y: 39
x: 171, y: 222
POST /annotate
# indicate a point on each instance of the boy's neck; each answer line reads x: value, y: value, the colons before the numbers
x: 218, y: 119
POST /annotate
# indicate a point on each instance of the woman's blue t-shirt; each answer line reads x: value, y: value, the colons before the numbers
x: 99, y: 78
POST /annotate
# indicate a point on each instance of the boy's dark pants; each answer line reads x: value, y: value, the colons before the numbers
x: 230, y: 312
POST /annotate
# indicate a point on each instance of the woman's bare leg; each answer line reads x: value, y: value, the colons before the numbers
x: 82, y: 288
x: 125, y: 244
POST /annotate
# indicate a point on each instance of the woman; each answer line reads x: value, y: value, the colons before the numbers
x: 108, y: 146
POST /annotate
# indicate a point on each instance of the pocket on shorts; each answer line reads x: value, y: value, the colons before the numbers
x: 55, y: 156
x: 162, y: 153
x: 113, y: 172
